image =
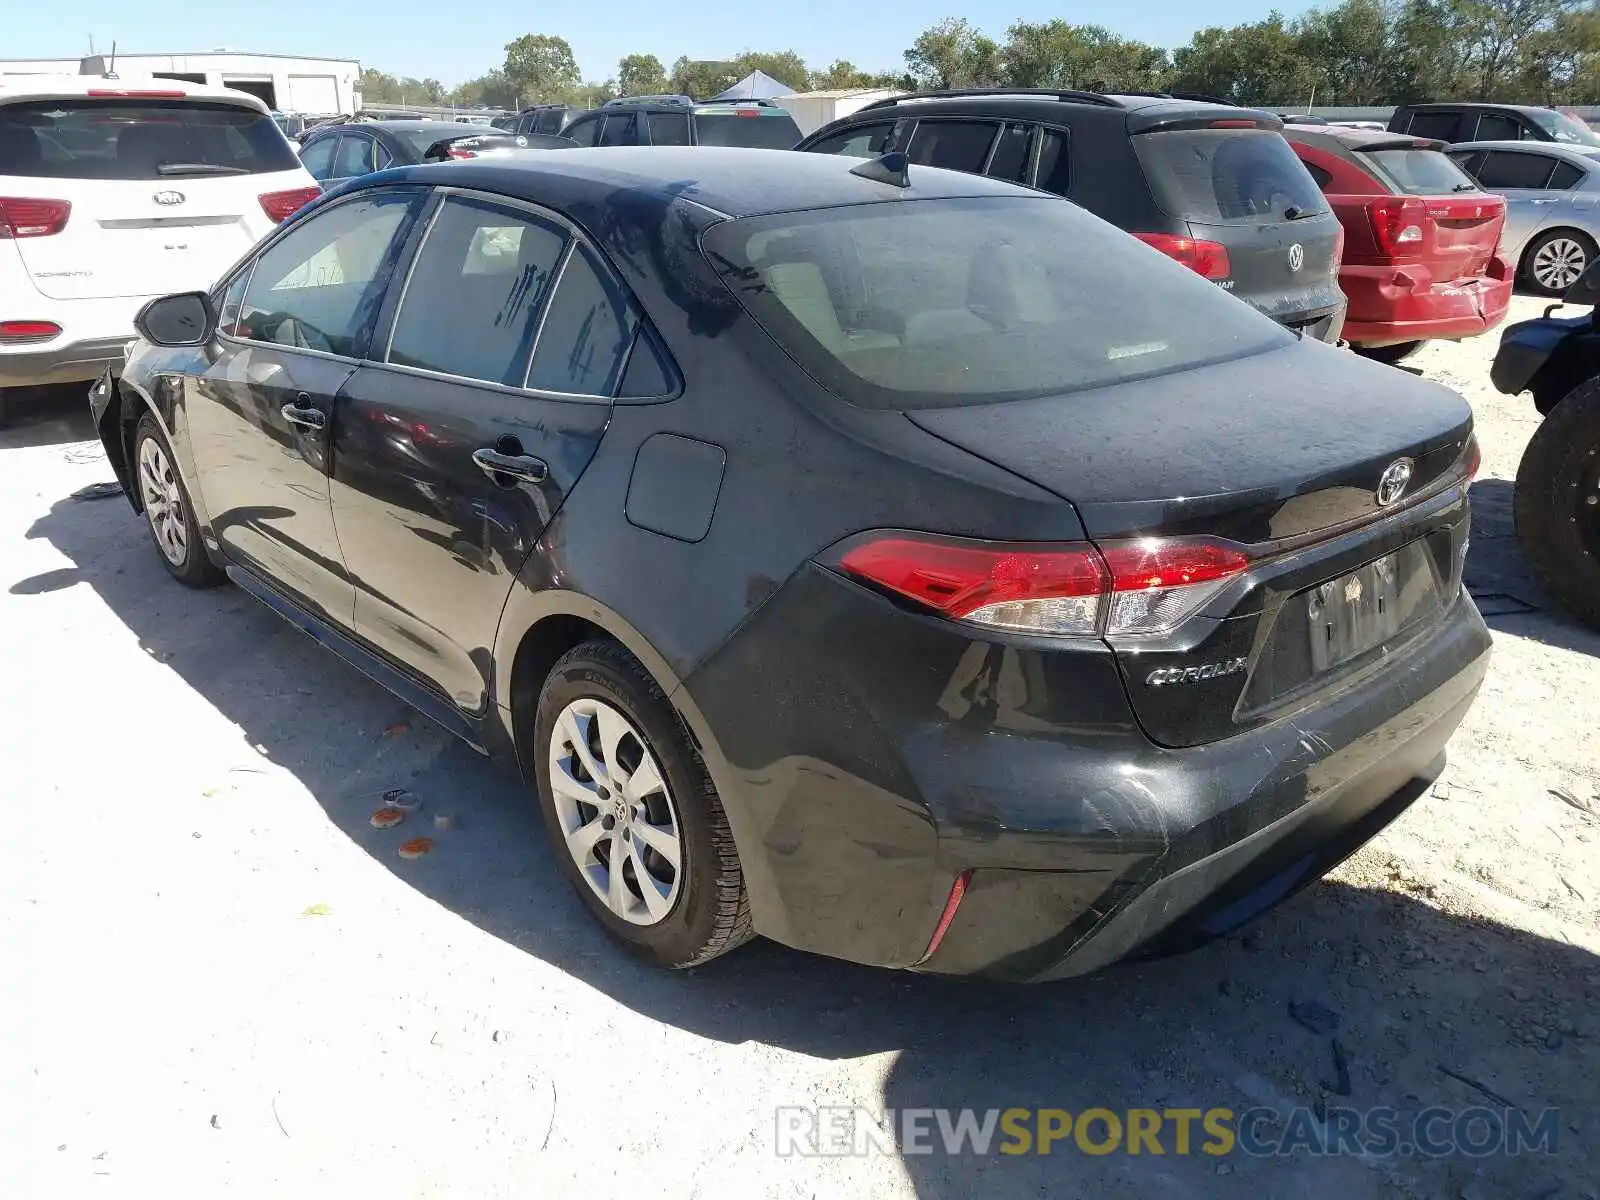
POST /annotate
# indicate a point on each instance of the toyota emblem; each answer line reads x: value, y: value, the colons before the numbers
x: 1297, y: 256
x: 1393, y: 482
x: 168, y: 198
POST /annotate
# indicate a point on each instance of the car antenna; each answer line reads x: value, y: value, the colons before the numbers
x: 111, y: 68
x: 892, y: 168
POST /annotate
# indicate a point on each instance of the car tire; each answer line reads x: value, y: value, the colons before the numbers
x: 169, y: 514
x: 597, y: 694
x: 1395, y: 352
x: 1557, y: 503
x: 1571, y: 248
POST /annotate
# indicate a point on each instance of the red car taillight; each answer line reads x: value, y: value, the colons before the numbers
x: 282, y: 205
x: 25, y: 217
x: 1076, y: 590
x: 28, y: 331
x: 1209, y: 259
x: 1397, y: 225
x: 457, y: 152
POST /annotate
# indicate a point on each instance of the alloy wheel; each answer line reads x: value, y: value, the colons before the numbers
x: 616, y: 811
x: 1558, y: 263
x: 163, y: 502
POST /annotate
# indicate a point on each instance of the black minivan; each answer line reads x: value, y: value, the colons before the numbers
x: 1214, y: 186
x: 1491, y: 123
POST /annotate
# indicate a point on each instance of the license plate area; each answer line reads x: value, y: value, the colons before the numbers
x: 1355, y: 613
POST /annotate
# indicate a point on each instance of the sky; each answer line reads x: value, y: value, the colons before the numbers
x: 455, y: 42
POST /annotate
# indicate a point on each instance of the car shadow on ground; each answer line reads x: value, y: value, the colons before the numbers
x: 1415, y: 992
x: 47, y: 416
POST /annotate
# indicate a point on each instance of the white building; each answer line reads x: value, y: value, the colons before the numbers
x: 287, y: 82
x: 812, y: 110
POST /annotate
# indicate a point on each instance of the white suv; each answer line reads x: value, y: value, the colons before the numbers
x: 113, y: 192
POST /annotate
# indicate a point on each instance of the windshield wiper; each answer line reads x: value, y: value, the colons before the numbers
x: 1295, y: 213
x: 197, y: 168
x: 1465, y: 187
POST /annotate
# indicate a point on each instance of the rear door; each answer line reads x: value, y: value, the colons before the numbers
x: 1246, y: 190
x: 457, y: 446
x: 165, y: 192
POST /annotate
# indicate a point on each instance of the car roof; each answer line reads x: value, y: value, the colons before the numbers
x: 1586, y: 155
x: 1153, y: 106
x: 1448, y: 105
x: 16, y: 88
x: 1358, y: 139
x: 436, y: 127
x: 730, y: 181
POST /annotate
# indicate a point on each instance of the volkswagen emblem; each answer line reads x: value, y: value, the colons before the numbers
x: 1297, y: 256
x: 168, y: 198
x: 1393, y: 482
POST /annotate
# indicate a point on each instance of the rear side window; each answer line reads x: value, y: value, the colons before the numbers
x: 1419, y: 172
x: 1226, y: 176
x: 861, y: 141
x: 954, y: 145
x: 1564, y: 176
x: 357, y: 156
x: 586, y: 334
x: 584, y: 132
x: 1514, y: 169
x: 932, y: 303
x: 138, y: 139
x: 549, y: 121
x: 754, y: 127
x: 618, y: 131
x: 1010, y: 159
x: 493, y: 267
x: 1055, y: 163
x: 1322, y: 177
x: 1440, y: 126
x: 1497, y: 127
x: 669, y: 129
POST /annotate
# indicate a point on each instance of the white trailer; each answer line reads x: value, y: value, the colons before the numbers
x: 813, y: 110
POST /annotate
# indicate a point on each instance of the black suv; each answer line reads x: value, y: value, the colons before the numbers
x: 679, y: 121
x: 1490, y: 123
x: 545, y: 118
x: 1212, y: 185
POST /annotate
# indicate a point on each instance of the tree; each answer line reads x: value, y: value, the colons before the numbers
x: 1348, y: 49
x: 492, y: 89
x: 702, y: 77
x: 953, y: 54
x: 1259, y: 64
x: 641, y: 75
x: 1057, y: 54
x: 787, y: 67
x: 540, y: 67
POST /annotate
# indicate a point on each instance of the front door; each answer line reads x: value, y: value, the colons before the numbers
x: 454, y: 450
x: 261, y: 414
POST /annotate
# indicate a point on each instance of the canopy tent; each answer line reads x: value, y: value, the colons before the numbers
x: 757, y: 85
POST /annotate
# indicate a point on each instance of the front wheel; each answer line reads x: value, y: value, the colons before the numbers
x: 631, y: 813
x: 1554, y: 261
x: 1396, y: 352
x: 168, y: 513
x: 1557, y: 503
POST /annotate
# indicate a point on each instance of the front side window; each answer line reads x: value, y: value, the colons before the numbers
x: 586, y: 334
x: 471, y: 304
x: 1498, y: 127
x: 931, y: 303
x: 1563, y: 128
x: 953, y: 145
x: 319, y: 285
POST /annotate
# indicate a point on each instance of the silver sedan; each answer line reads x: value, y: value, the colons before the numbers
x: 1552, y: 196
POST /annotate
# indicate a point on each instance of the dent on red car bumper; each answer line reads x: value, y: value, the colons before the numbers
x: 1391, y: 304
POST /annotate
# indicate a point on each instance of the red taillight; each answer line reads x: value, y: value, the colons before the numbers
x: 1209, y: 259
x: 1397, y: 225
x: 1471, y: 458
x: 1233, y: 123
x: 1076, y: 590
x: 281, y: 205
x: 457, y: 152
x: 137, y: 93
x: 28, y: 331
x: 23, y: 217
x: 746, y: 112
x: 958, y: 891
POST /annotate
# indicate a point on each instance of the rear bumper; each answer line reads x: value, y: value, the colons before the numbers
x: 47, y: 362
x: 1405, y: 304
x: 868, y: 771
x: 1323, y: 325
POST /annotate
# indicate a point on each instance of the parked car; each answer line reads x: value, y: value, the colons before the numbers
x: 1211, y: 185
x: 335, y: 153
x: 1552, y: 196
x: 1463, y: 122
x: 1034, y: 603
x: 654, y: 122
x: 1421, y: 240
x: 545, y: 118
x: 1556, y: 502
x: 114, y: 191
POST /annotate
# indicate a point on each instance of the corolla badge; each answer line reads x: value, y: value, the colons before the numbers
x: 1393, y: 482
x: 168, y: 197
x: 1297, y: 256
x: 1166, y: 676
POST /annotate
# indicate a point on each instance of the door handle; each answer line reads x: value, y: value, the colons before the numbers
x: 303, y: 415
x: 522, y: 467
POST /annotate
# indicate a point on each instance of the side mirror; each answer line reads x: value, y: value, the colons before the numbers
x: 1586, y: 289
x: 186, y: 319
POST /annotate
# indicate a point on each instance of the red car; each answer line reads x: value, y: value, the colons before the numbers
x: 1421, y: 248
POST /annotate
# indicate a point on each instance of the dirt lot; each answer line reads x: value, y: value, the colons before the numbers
x: 220, y: 980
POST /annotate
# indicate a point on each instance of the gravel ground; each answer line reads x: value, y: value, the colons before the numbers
x: 221, y: 980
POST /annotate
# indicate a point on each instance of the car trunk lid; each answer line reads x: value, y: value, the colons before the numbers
x: 1459, y: 226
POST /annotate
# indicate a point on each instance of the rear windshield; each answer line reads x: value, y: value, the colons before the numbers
x: 933, y: 303
x: 1419, y: 172
x: 138, y: 139
x: 1226, y: 176
x: 760, y: 130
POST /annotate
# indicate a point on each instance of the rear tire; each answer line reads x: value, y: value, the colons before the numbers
x: 1557, y: 503
x: 1396, y: 352
x: 636, y: 773
x: 1554, y: 260
x: 169, y: 514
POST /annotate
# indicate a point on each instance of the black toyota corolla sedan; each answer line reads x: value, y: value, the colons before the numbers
x: 907, y: 567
